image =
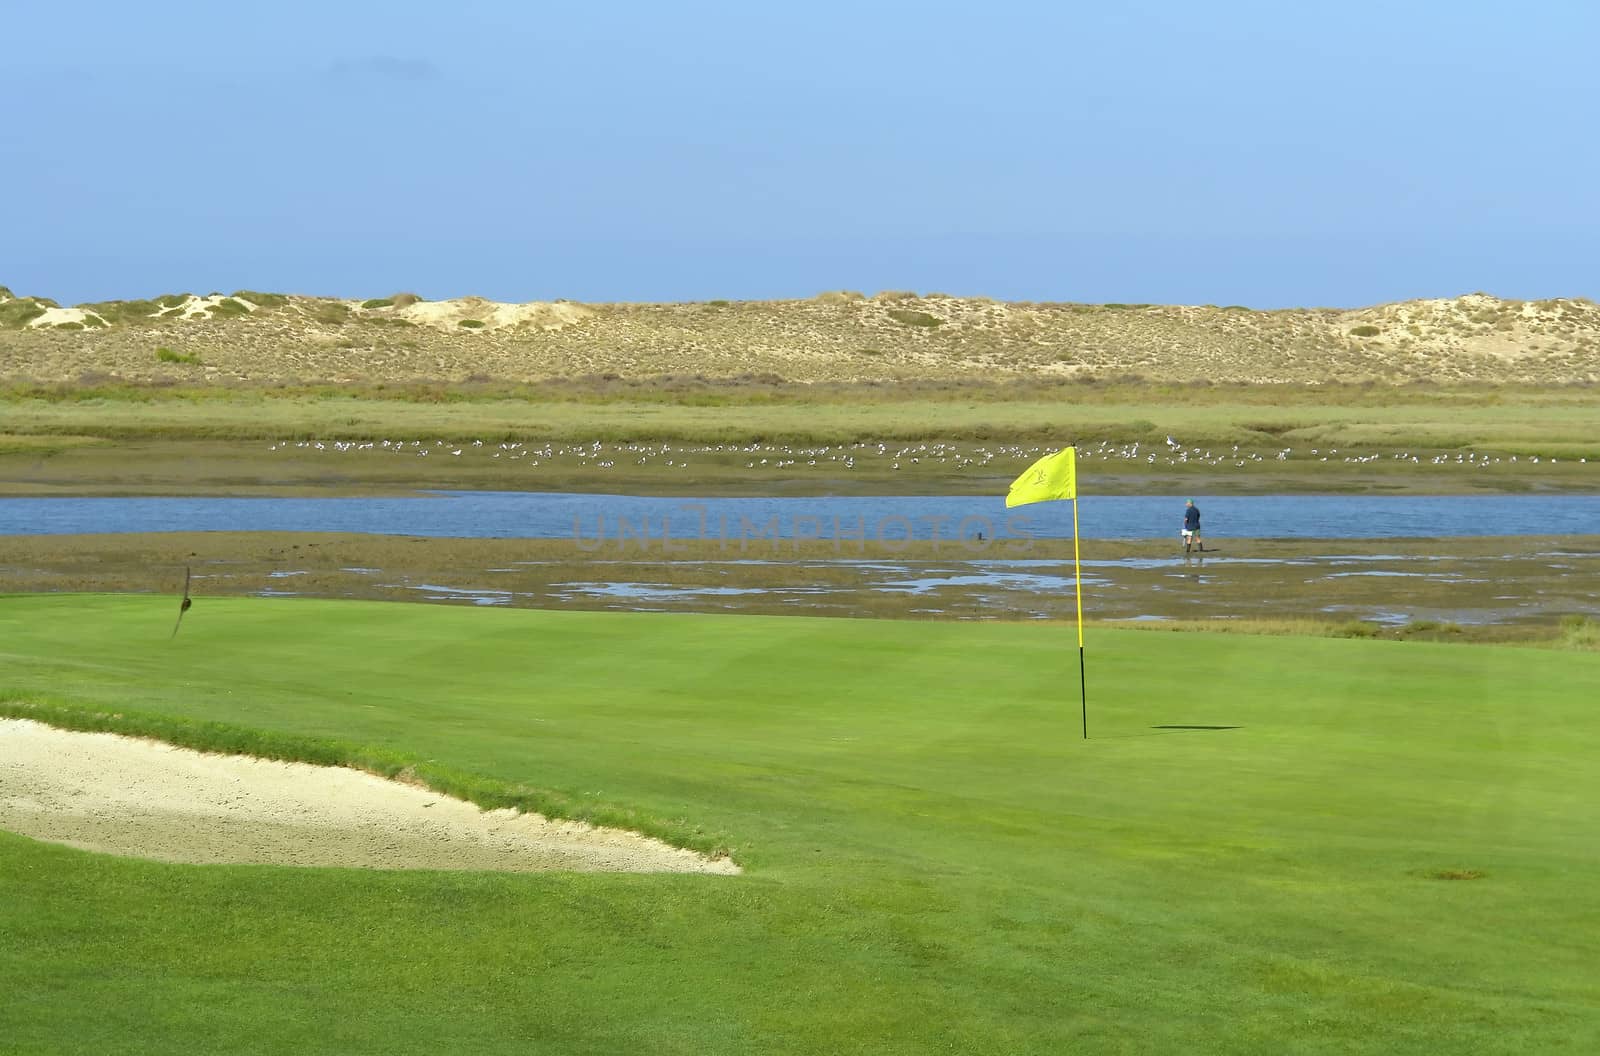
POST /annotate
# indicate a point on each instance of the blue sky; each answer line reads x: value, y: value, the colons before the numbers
x: 1233, y: 153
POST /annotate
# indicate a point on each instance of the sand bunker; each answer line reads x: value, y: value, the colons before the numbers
x: 145, y: 799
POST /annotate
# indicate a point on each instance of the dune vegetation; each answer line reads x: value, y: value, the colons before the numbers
x: 843, y: 336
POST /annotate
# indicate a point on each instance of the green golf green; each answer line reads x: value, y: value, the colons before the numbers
x: 1388, y: 850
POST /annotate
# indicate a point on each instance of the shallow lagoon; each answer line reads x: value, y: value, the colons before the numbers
x: 600, y: 520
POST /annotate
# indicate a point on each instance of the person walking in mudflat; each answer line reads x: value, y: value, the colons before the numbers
x: 1191, y: 528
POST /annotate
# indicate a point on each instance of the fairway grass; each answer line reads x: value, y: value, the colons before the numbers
x: 1390, y: 853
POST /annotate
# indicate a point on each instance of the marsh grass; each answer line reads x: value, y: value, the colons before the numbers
x: 1086, y: 389
x: 1543, y: 635
x: 1556, y: 422
x: 41, y: 446
x: 1580, y: 632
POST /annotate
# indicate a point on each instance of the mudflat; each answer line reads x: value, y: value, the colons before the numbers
x: 1501, y: 587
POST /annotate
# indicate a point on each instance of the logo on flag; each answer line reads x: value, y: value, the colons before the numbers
x: 1052, y: 477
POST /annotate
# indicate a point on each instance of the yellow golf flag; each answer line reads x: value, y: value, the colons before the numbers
x: 1052, y: 477
x: 1056, y: 477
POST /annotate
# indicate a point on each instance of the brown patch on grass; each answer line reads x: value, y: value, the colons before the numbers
x: 1456, y: 874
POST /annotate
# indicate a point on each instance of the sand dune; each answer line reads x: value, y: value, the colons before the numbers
x: 832, y: 337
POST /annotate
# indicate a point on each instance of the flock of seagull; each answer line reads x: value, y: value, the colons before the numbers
x: 923, y: 456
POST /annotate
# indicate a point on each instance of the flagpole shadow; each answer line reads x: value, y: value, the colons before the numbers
x: 1158, y: 731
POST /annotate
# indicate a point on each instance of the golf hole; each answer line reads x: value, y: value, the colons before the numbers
x: 146, y: 799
